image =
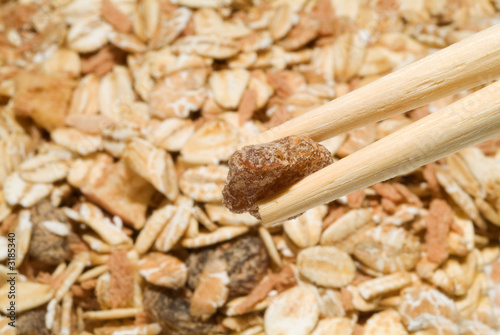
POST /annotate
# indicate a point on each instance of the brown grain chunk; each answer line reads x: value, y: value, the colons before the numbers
x: 260, y: 171
x: 121, y: 283
x: 438, y: 224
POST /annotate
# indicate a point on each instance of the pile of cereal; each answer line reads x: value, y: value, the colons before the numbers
x: 117, y: 120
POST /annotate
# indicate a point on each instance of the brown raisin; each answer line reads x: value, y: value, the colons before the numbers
x: 261, y: 171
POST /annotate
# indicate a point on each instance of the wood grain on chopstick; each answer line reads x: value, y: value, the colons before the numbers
x: 466, y: 122
x: 466, y: 64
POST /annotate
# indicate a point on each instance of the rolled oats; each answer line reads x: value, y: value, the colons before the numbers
x: 204, y: 183
x: 170, y: 134
x: 208, y: 46
x: 294, y: 310
x: 383, y: 285
x: 202, y: 218
x: 356, y: 302
x: 17, y: 191
x: 336, y: 325
x: 88, y: 35
x: 388, y: 249
x: 154, y: 165
x: 163, y: 270
x: 30, y: 295
x: 326, y: 266
x: 305, y: 231
x: 211, y: 291
x: 270, y: 246
x: 215, y: 141
x: 176, y: 226
x: 283, y: 21
x: 93, y: 95
x: 386, y: 322
x: 219, y: 235
x: 77, y: 141
x: 345, y: 225
x: 92, y: 216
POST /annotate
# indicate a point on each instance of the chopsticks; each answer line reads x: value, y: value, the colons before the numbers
x: 466, y: 122
x: 465, y: 64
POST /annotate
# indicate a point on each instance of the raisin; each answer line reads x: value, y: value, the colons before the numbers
x: 46, y: 246
x: 261, y: 171
x: 170, y: 308
x: 246, y: 260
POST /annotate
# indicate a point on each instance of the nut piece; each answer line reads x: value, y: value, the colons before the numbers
x: 295, y: 311
x: 326, y: 266
x: 260, y: 171
x: 163, y: 270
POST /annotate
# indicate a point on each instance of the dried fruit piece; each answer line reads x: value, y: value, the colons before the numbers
x: 326, y: 266
x: 163, y: 270
x: 170, y: 308
x: 294, y: 311
x: 260, y: 171
x: 46, y: 246
x: 246, y: 260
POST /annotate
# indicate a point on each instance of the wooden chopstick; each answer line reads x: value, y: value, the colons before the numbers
x: 466, y: 64
x: 466, y: 122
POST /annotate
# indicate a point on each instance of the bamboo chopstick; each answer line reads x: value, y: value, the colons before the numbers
x: 466, y: 64
x: 466, y: 122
